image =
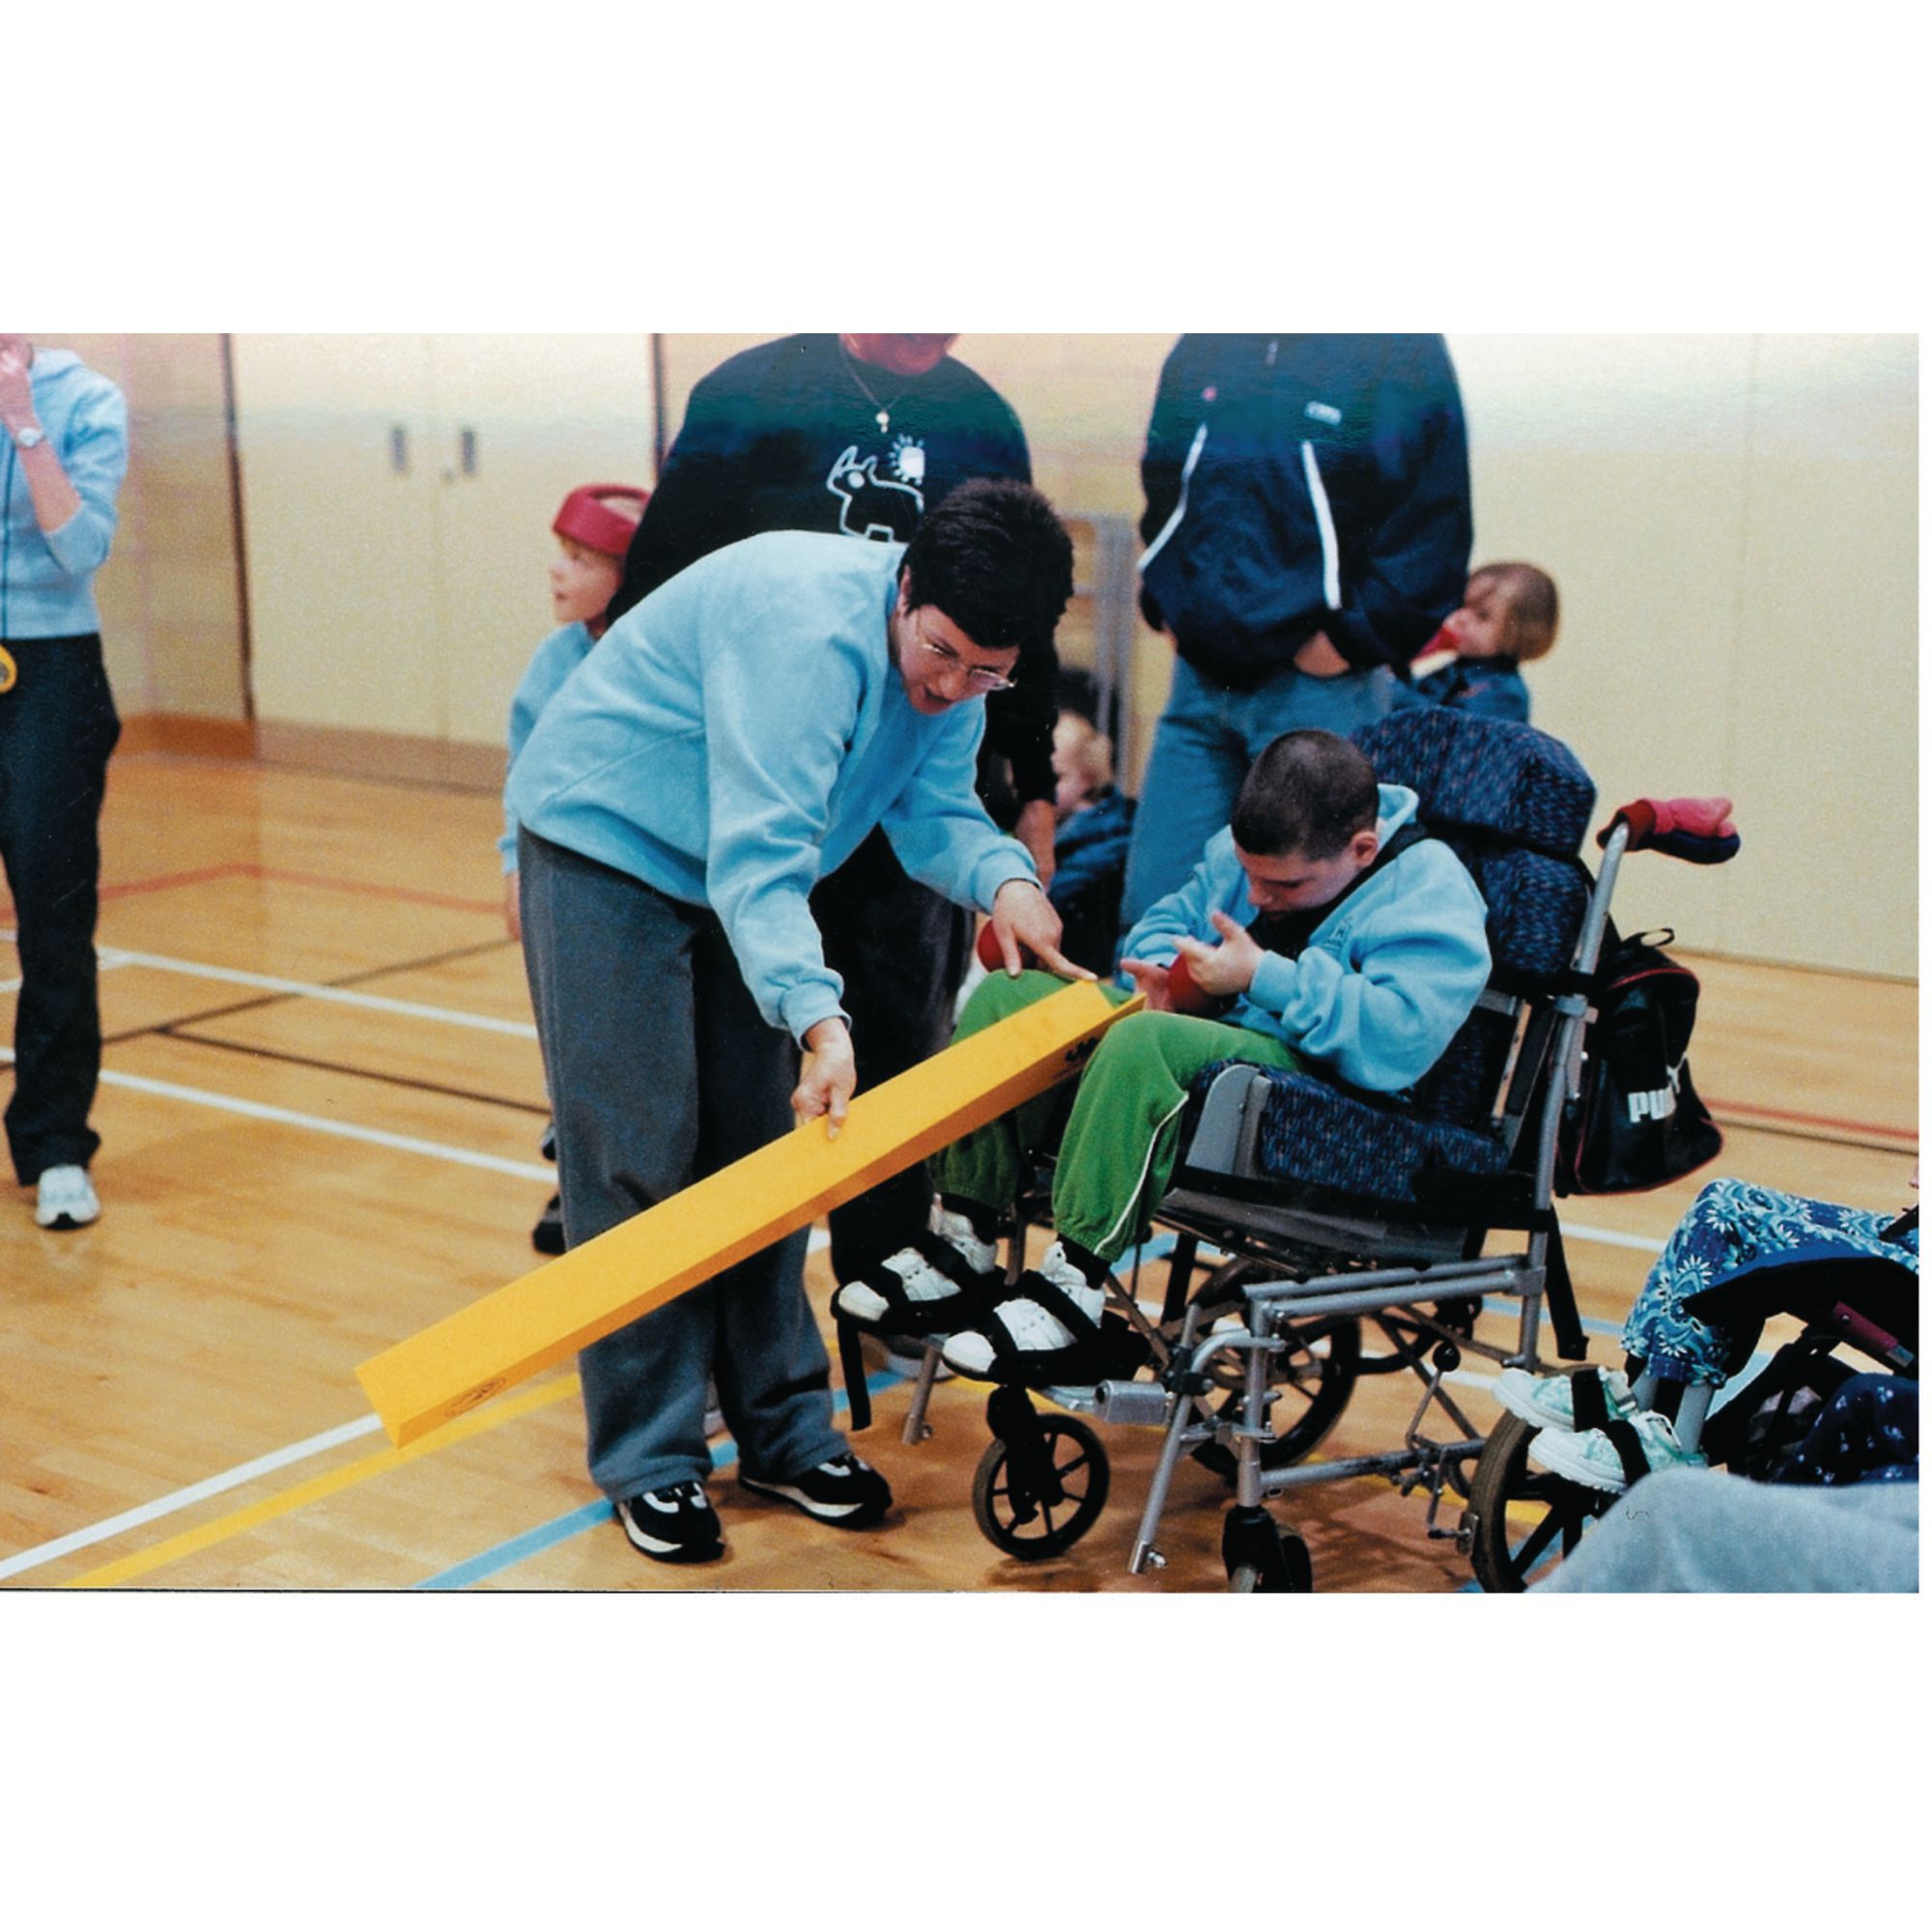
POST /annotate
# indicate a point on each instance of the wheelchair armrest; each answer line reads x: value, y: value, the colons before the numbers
x: 1229, y: 1122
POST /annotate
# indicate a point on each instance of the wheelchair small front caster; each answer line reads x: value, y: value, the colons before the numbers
x: 1042, y: 1483
x: 1263, y: 1555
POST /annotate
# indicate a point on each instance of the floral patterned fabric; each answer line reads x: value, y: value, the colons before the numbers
x: 1733, y: 1226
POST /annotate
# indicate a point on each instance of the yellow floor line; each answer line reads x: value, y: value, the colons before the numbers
x: 313, y: 1491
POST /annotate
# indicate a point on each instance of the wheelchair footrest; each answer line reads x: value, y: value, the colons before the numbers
x: 1137, y: 1402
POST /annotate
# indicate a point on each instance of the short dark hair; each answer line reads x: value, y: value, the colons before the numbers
x: 1308, y: 793
x: 994, y: 558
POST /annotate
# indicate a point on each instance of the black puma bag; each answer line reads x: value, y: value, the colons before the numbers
x: 1638, y: 1120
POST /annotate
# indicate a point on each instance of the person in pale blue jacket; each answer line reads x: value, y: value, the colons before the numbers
x: 593, y: 527
x: 63, y: 456
x: 730, y: 742
x: 1321, y: 929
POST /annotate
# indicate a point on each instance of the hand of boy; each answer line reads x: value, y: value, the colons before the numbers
x: 1226, y: 970
x: 826, y: 1079
x: 1150, y: 981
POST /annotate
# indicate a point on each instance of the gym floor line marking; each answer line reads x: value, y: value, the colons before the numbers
x: 574, y: 1523
x: 256, y: 1110
x: 180, y: 1499
x: 112, y: 957
x: 331, y: 1482
x: 1745, y: 1107
x: 206, y: 875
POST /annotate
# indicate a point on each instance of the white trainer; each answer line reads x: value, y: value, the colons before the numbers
x: 919, y: 1281
x: 67, y: 1199
x: 1026, y: 1324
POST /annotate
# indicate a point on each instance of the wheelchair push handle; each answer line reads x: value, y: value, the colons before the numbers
x: 1698, y: 830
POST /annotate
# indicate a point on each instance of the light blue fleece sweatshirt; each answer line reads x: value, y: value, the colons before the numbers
x: 46, y: 579
x: 1385, y: 981
x: 734, y: 738
x: 555, y: 658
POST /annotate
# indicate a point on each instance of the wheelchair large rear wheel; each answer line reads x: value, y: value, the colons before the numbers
x: 1015, y: 1514
x: 1522, y: 1521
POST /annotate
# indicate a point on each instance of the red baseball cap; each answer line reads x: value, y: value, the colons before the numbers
x: 601, y: 517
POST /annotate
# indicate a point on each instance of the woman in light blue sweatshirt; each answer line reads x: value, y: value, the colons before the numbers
x: 62, y: 461
x: 730, y: 742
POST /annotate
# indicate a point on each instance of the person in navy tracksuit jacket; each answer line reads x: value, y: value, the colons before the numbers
x: 1307, y: 527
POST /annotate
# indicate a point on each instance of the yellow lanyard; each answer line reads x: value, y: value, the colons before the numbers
x: 10, y: 671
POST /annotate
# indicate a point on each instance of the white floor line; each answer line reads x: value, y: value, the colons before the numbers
x: 1609, y: 1237
x: 255, y: 1110
x: 180, y: 1499
x: 344, y: 996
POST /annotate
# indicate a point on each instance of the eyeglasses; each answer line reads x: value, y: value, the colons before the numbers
x: 977, y: 676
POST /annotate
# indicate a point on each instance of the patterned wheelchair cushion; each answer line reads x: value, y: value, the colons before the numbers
x: 1515, y: 805
x: 1536, y: 909
x: 1487, y: 775
x: 1315, y: 1135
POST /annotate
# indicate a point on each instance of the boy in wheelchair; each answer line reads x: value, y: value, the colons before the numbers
x: 1323, y: 929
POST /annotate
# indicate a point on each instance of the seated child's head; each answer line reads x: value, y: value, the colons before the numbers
x: 1083, y: 763
x: 593, y: 530
x: 1304, y: 822
x: 1508, y: 610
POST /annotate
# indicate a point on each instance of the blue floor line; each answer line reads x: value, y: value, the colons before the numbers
x: 547, y: 1535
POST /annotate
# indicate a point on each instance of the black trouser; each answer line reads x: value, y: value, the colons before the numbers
x: 902, y: 951
x: 57, y: 729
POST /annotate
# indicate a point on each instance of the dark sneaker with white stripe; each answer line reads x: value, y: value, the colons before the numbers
x: 674, y: 1525
x: 846, y: 1493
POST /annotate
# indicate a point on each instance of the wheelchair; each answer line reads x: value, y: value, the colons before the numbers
x: 1301, y: 1212
x: 1521, y: 1521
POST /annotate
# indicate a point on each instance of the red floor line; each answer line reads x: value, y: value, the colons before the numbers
x: 1718, y: 1106
x: 275, y: 876
x: 406, y: 893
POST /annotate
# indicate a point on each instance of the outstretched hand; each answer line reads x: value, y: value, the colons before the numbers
x: 1151, y: 983
x: 1226, y: 970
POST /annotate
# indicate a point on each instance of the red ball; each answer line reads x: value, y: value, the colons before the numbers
x: 1186, y: 996
x: 990, y: 955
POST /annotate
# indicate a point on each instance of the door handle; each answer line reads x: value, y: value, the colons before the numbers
x: 399, y: 449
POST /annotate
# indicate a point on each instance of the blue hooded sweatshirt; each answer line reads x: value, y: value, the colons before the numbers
x: 555, y: 658
x: 46, y: 579
x: 1385, y: 980
x: 735, y: 737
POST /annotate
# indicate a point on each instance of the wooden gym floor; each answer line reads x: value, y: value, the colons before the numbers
x: 321, y: 1109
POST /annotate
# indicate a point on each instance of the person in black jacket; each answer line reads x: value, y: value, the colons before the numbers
x: 1307, y: 527
x: 863, y: 434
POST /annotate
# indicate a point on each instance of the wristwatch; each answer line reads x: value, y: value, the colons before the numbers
x: 29, y: 438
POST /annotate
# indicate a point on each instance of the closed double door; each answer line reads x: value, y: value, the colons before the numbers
x: 397, y: 493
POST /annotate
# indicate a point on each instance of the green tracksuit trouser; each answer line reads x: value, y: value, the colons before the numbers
x: 1122, y: 1120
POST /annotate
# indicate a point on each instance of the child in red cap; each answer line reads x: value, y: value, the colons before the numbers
x: 593, y: 530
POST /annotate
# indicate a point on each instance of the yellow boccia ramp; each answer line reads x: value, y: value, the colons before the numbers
x: 545, y: 1316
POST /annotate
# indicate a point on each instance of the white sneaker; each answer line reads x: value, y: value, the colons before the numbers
x: 1550, y: 1401
x: 1591, y: 1458
x: 67, y: 1199
x: 1026, y: 1324
x: 911, y: 1281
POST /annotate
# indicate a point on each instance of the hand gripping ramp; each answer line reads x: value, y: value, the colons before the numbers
x: 547, y: 1316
